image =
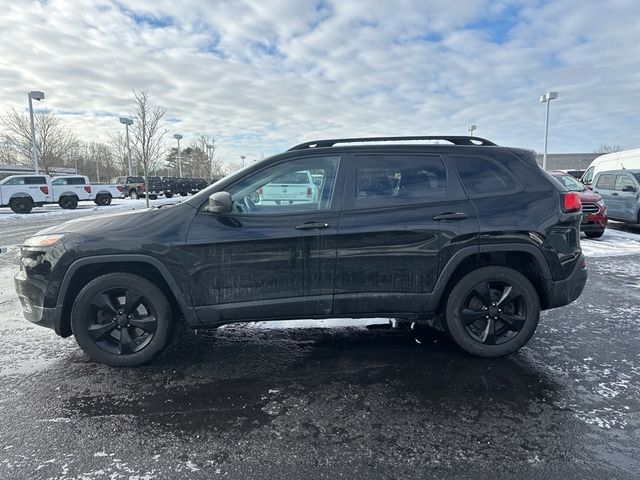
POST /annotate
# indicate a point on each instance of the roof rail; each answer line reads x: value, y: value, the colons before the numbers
x: 455, y: 139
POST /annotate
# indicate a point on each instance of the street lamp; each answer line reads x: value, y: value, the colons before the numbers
x: 546, y: 98
x: 177, y: 136
x: 34, y: 95
x: 471, y: 129
x: 242, y: 157
x: 127, y: 121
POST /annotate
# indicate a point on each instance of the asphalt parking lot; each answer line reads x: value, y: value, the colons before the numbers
x: 333, y: 401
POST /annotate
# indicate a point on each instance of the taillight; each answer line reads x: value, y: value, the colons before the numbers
x: 142, y: 187
x: 120, y: 188
x: 45, y: 190
x: 571, y: 202
x: 309, y: 193
x: 87, y: 189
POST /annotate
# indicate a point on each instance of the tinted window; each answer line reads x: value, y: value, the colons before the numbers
x: 570, y: 182
x: 75, y: 181
x: 135, y: 180
x: 264, y: 193
x: 606, y: 181
x: 35, y: 180
x: 623, y: 181
x: 481, y: 176
x: 398, y: 180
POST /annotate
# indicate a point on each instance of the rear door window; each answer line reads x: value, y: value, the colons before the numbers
x: 482, y: 176
x: 392, y: 180
x: 35, y: 180
x: 606, y: 181
x: 75, y: 181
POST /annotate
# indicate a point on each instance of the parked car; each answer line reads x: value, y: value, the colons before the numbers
x: 133, y: 186
x: 294, y: 187
x: 69, y: 189
x: 155, y: 187
x: 470, y: 237
x: 594, y: 210
x: 170, y: 186
x: 22, y: 192
x: 620, y: 191
x: 625, y: 159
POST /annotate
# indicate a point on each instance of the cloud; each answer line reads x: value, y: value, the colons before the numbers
x: 265, y: 75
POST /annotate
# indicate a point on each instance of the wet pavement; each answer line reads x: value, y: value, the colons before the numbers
x: 245, y: 402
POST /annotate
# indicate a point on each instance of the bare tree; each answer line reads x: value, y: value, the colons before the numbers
x: 53, y: 139
x: 608, y: 148
x: 119, y: 152
x: 148, y: 133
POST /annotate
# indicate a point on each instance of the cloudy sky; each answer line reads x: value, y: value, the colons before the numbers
x: 264, y: 75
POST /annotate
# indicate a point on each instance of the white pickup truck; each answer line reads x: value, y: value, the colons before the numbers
x: 295, y: 187
x: 22, y: 192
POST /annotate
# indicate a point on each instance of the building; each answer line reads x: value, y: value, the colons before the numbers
x: 568, y: 161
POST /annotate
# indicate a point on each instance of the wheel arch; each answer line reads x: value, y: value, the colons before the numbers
x: 20, y: 195
x: 150, y: 268
x: 526, y: 259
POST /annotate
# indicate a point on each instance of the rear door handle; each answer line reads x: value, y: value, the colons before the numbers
x: 451, y: 216
x: 312, y: 226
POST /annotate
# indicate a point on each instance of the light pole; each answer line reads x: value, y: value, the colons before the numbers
x: 546, y: 98
x: 210, y: 155
x: 127, y: 121
x: 34, y: 95
x: 177, y: 136
x: 471, y: 129
x: 242, y: 157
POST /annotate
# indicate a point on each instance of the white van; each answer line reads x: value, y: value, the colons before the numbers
x: 626, y: 159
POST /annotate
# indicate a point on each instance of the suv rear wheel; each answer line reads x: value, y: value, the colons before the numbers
x: 121, y: 319
x: 492, y: 311
x: 68, y: 202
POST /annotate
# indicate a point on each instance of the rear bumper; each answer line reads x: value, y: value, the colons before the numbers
x: 566, y: 291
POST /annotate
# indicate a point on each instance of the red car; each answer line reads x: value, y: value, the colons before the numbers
x: 594, y: 211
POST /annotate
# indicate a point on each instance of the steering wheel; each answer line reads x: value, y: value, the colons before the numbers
x: 248, y: 204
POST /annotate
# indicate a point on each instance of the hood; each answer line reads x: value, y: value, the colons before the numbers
x: 148, y: 223
x: 589, y: 196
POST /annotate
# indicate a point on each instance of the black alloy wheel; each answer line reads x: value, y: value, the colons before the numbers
x: 121, y: 319
x: 21, y: 205
x: 492, y: 311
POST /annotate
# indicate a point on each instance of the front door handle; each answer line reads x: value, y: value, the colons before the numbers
x: 615, y: 194
x: 312, y: 226
x: 451, y: 216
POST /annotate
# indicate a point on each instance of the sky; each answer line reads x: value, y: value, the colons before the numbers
x: 262, y: 76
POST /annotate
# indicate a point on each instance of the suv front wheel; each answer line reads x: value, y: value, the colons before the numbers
x: 121, y: 319
x: 492, y: 311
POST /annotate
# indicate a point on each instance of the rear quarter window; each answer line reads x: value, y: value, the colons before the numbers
x: 35, y: 180
x: 482, y: 176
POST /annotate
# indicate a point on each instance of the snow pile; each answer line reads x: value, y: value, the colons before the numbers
x: 613, y: 243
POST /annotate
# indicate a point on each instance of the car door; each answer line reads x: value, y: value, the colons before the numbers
x: 605, y: 187
x: 267, y: 261
x: 400, y: 213
x: 627, y: 191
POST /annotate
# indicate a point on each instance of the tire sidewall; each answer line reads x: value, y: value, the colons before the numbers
x: 152, y: 294
x: 458, y: 295
x: 27, y: 202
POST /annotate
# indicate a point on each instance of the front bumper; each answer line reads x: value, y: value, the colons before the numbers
x: 30, y: 292
x: 594, y: 222
x: 566, y: 291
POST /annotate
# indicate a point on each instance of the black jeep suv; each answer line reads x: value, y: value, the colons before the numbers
x: 468, y: 236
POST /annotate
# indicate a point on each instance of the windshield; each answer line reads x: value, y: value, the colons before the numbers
x: 571, y: 183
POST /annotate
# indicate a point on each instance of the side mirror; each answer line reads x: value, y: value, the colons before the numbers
x: 628, y: 188
x: 220, y: 202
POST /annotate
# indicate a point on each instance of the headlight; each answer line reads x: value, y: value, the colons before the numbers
x: 43, y: 240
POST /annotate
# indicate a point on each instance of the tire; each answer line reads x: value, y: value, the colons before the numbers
x: 594, y: 234
x: 133, y: 195
x: 492, y: 311
x: 168, y: 195
x: 21, y: 205
x: 153, y: 197
x: 147, y: 322
x: 183, y: 194
x: 68, y: 202
x: 103, y: 199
